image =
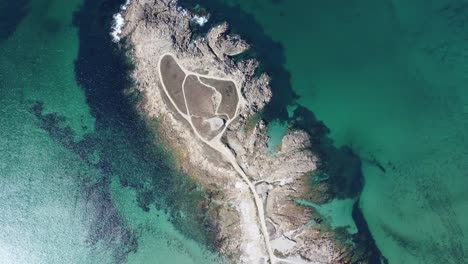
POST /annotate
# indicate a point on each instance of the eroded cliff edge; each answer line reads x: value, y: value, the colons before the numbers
x: 155, y: 28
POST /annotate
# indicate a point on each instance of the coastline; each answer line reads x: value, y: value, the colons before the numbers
x: 150, y: 32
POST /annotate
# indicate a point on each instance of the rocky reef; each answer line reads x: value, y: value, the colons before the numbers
x: 156, y: 27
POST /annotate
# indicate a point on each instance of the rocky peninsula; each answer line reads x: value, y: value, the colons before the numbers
x: 207, y: 103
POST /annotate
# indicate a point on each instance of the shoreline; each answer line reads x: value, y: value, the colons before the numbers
x: 248, y: 149
x: 215, y: 143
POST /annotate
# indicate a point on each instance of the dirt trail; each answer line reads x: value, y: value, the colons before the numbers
x: 216, y: 144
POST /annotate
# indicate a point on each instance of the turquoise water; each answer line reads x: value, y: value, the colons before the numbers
x: 338, y: 213
x: 276, y: 131
x: 388, y: 79
x: 83, y: 179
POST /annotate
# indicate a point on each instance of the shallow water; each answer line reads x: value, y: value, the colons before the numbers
x: 276, y: 132
x: 388, y: 78
x: 82, y: 178
x: 338, y: 213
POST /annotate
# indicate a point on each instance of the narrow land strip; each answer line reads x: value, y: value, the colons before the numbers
x: 216, y: 144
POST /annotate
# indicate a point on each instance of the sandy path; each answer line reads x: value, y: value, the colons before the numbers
x: 216, y: 144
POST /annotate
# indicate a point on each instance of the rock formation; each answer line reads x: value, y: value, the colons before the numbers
x: 156, y: 27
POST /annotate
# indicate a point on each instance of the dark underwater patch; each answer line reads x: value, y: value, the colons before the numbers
x: 128, y: 147
x: 106, y: 224
x: 51, y: 26
x: 11, y: 14
x: 121, y: 145
x: 340, y: 165
x: 269, y: 52
x: 363, y: 239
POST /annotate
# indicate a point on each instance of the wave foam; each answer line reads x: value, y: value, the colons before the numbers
x: 200, y: 20
x: 118, y: 23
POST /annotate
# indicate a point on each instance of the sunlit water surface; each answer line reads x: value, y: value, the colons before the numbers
x: 82, y: 180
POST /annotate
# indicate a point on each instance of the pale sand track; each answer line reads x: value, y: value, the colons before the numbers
x: 216, y: 144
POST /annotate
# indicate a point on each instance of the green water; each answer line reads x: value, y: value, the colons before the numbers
x: 276, y: 131
x: 388, y: 78
x: 81, y: 178
x: 338, y: 213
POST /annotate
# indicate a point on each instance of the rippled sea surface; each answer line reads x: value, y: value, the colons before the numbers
x: 82, y: 178
x: 389, y: 80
